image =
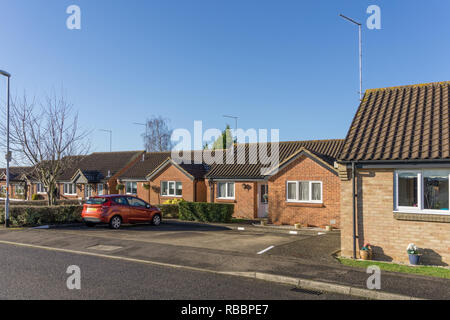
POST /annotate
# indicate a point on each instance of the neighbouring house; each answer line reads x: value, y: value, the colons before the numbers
x: 134, y: 179
x: 302, y: 187
x: 19, y: 187
x: 96, y: 174
x: 397, y: 156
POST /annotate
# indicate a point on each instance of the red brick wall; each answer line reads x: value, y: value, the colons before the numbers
x: 245, y: 202
x: 377, y: 225
x: 171, y: 173
x: 320, y: 215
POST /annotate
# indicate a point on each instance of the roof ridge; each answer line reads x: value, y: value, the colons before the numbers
x: 409, y: 86
x: 107, y: 152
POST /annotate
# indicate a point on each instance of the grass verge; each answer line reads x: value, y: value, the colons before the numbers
x: 430, y: 271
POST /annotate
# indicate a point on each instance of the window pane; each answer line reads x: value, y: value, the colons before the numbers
x: 221, y: 190
x: 292, y: 191
x: 230, y: 190
x: 134, y: 188
x: 179, y: 188
x: 407, y: 189
x: 316, y: 191
x: 435, y: 190
x: 304, y: 190
x: 171, y: 188
x: 164, y: 188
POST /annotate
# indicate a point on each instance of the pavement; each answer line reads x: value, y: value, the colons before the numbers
x: 286, y: 258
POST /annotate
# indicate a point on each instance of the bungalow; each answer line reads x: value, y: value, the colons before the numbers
x: 304, y: 186
x: 395, y: 170
x: 96, y: 174
x: 19, y: 188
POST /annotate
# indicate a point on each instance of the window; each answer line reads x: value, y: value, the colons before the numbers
x: 131, y: 187
x: 422, y: 191
x: 3, y: 190
x: 70, y: 189
x: 100, y: 189
x: 264, y: 193
x: 40, y: 188
x: 135, y: 202
x: 120, y: 200
x: 304, y: 191
x: 225, y: 190
x: 18, y: 189
x: 171, y: 188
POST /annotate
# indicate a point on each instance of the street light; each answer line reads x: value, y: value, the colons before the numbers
x: 8, y: 153
x: 236, y: 122
x: 360, y: 52
x: 110, y: 138
x: 146, y: 130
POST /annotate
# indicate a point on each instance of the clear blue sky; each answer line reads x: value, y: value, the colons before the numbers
x: 289, y: 65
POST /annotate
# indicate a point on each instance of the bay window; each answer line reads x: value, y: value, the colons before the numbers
x: 171, y: 188
x: 422, y: 191
x: 304, y: 191
x: 225, y: 190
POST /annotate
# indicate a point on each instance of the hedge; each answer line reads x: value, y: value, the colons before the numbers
x: 169, y: 210
x: 44, y: 203
x: 206, y: 212
x: 29, y: 216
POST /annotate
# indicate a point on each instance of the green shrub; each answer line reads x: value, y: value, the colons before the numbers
x: 21, y: 216
x: 36, y: 197
x: 43, y: 203
x: 169, y: 210
x: 206, y: 212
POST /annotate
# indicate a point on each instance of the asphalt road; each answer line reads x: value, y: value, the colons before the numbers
x: 29, y: 273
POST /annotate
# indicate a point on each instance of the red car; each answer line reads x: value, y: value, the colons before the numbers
x: 118, y: 209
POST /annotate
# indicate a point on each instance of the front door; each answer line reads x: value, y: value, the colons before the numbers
x: 263, y: 200
x: 87, y: 191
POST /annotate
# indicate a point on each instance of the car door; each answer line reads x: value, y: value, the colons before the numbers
x: 138, y: 209
x: 121, y: 207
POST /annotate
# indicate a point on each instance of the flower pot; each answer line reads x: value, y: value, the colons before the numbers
x: 365, y: 254
x: 414, y: 259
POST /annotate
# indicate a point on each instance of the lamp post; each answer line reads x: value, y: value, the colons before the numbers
x: 360, y: 52
x: 236, y: 122
x: 146, y: 131
x: 110, y: 138
x: 8, y: 153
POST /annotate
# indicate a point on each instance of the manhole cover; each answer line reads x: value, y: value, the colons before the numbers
x: 104, y: 248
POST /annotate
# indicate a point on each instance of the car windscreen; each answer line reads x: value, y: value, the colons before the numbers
x: 96, y: 201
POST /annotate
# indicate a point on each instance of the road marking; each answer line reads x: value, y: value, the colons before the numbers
x: 101, y: 247
x: 241, y: 229
x: 293, y: 232
x: 267, y: 249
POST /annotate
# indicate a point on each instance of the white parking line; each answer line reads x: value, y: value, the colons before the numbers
x: 293, y: 232
x: 267, y: 249
x: 241, y: 229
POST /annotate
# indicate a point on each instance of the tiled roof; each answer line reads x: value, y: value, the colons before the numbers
x: 15, y: 173
x: 326, y: 150
x: 99, y: 164
x: 401, y: 123
x: 142, y: 168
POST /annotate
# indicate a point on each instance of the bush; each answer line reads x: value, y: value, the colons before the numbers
x: 36, y: 197
x: 169, y: 210
x: 206, y: 212
x: 21, y: 216
x: 173, y: 201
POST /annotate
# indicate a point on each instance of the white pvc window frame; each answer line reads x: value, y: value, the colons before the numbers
x: 297, y: 191
x: 420, y: 194
x: 174, y: 193
x: 66, y: 189
x: 227, y: 185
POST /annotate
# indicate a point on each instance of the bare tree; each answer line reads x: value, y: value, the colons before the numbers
x: 46, y: 136
x: 158, y: 134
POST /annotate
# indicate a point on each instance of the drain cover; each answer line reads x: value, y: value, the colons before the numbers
x: 306, y: 291
x: 104, y: 248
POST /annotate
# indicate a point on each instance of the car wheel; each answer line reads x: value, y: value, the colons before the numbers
x: 115, y: 222
x: 156, y: 221
x: 89, y: 224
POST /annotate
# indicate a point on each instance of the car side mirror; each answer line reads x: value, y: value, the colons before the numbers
x: 148, y: 206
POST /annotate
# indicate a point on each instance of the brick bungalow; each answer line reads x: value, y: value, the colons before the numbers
x: 96, y: 174
x: 19, y: 187
x: 399, y: 147
x: 303, y: 188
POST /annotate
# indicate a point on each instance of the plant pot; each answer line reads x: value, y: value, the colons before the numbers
x: 365, y: 254
x: 298, y: 226
x: 414, y: 259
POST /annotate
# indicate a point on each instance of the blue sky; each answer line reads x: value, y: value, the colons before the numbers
x: 288, y: 65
